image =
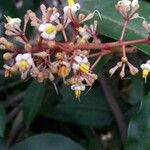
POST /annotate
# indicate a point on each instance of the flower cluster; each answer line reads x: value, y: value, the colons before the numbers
x: 48, y: 58
x: 128, y: 9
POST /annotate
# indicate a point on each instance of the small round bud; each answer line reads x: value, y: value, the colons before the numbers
x: 28, y: 47
x: 63, y: 71
x: 3, y: 40
x: 52, y: 44
x: 59, y: 27
x: 124, y: 59
x: 9, y: 45
x: 49, y: 9
x: 31, y: 14
x: 59, y: 56
x: 7, y: 56
x: 3, y: 47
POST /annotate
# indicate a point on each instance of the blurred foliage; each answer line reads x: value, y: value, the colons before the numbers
x: 89, y: 121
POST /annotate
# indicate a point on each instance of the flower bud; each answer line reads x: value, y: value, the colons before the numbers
x: 63, y: 71
x: 52, y: 44
x: 59, y: 56
x: 3, y: 47
x: 59, y: 27
x: 28, y: 47
x: 7, y: 56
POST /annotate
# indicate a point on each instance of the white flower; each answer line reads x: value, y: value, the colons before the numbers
x: 24, y: 61
x: 134, y: 3
x: 128, y: 3
x: 146, y: 69
x: 145, y: 66
x: 81, y: 63
x: 74, y: 8
x: 14, y: 22
x: 125, y: 3
x: 48, y: 31
x: 77, y: 88
x: 54, y: 16
x: 128, y: 8
x: 148, y: 62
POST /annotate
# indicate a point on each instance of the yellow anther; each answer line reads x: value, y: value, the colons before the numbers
x: 8, y: 18
x: 71, y: 2
x: 23, y: 65
x: 50, y: 29
x: 145, y: 73
x: 77, y: 93
x: 84, y: 68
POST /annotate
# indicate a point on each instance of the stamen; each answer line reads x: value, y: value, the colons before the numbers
x: 23, y: 65
x: 71, y: 3
x: 50, y: 29
x: 84, y: 68
x: 145, y: 74
x: 77, y: 93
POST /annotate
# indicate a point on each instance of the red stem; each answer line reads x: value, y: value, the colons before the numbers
x: 109, y: 45
x: 88, y: 46
x: 124, y: 28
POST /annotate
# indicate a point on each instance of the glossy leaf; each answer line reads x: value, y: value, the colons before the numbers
x: 139, y: 128
x: 32, y: 101
x: 91, y: 110
x: 8, y: 8
x: 136, y: 90
x: 47, y: 142
x: 2, y: 120
x: 2, y: 144
x: 111, y: 24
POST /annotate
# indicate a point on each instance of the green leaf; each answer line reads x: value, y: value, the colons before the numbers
x: 91, y: 110
x: 47, y: 142
x: 8, y: 8
x: 139, y: 128
x: 32, y: 101
x: 2, y: 144
x: 2, y: 120
x: 136, y: 84
x: 136, y: 90
x: 26, y: 5
x: 111, y: 24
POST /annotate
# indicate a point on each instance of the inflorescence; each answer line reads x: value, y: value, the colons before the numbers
x: 47, y: 58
